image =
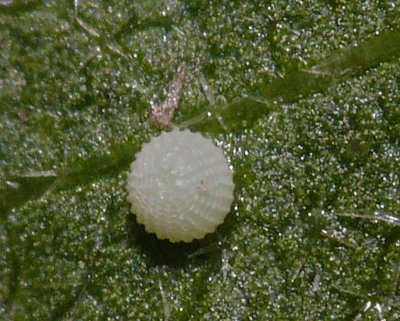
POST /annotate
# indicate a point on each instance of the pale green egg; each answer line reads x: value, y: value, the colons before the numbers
x: 180, y: 186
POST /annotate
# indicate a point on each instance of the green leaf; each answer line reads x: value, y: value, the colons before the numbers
x: 302, y: 96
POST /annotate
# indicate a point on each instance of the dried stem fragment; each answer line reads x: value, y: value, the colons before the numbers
x: 163, y: 113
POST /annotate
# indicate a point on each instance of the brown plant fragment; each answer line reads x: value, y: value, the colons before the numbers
x: 163, y: 113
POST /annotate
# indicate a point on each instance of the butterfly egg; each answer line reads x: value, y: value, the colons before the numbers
x: 180, y: 186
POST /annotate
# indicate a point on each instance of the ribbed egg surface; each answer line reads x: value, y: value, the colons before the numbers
x: 180, y: 186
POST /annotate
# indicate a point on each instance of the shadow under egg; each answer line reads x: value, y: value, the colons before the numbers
x: 164, y: 252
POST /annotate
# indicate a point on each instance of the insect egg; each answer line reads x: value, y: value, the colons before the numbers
x: 180, y: 186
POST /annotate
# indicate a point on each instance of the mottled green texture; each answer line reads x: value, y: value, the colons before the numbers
x: 308, y: 103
